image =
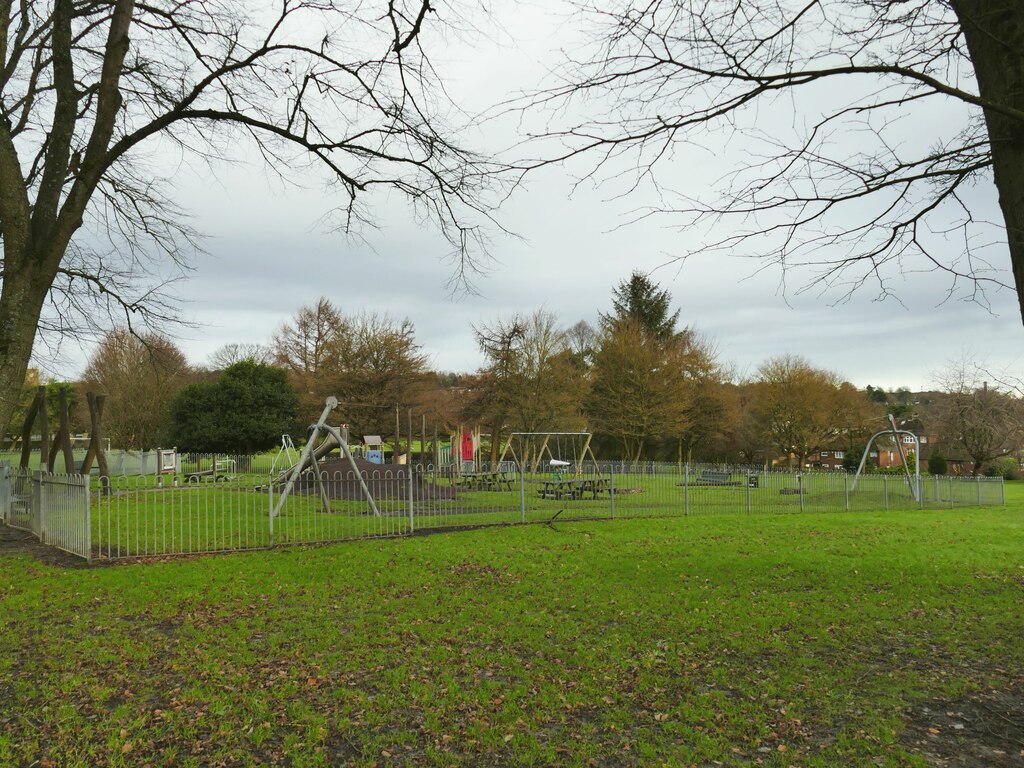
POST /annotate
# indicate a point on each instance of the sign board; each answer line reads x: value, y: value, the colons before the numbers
x: 166, y: 461
x: 375, y: 457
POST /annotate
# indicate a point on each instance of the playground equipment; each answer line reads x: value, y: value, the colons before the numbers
x: 529, y: 449
x: 286, y: 451
x: 37, y: 417
x: 913, y: 482
x: 310, y: 455
x: 219, y: 471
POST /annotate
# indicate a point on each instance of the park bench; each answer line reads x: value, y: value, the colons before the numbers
x: 713, y: 477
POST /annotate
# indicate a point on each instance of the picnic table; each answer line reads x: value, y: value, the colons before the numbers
x: 574, y: 488
x: 484, y: 481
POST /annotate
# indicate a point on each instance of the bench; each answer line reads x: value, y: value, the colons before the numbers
x: 713, y: 477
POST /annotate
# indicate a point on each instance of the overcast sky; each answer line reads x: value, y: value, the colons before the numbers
x: 268, y: 255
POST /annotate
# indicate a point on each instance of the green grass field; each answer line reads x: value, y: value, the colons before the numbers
x: 139, y: 518
x: 812, y: 640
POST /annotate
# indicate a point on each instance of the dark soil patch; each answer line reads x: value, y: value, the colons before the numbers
x: 17, y: 542
x: 983, y: 730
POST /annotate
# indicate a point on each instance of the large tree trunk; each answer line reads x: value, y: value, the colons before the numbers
x: 994, y: 31
x: 21, y: 302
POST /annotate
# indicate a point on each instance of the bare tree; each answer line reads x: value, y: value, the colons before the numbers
x: 229, y: 354
x: 531, y: 381
x: 797, y: 409
x: 984, y: 422
x: 840, y: 179
x: 341, y: 90
x: 370, y: 362
x: 380, y: 367
x: 139, y: 376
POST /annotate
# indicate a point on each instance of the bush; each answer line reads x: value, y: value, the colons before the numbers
x: 245, y: 410
x: 851, y: 460
x: 937, y: 464
x: 1007, y: 467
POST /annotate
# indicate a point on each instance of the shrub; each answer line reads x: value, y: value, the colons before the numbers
x: 245, y: 410
x: 1006, y: 467
x: 937, y: 464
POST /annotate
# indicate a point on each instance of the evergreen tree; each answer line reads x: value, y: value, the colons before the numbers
x: 639, y: 299
x: 245, y: 410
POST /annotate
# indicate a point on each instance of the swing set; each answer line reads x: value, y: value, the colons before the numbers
x: 531, y: 450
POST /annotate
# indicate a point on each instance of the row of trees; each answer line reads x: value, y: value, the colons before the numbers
x: 649, y: 388
x: 249, y: 395
x: 646, y: 386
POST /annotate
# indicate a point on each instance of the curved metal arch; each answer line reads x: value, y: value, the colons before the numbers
x: 915, y: 482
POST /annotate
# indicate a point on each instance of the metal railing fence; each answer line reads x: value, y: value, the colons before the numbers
x: 137, y: 516
x: 22, y: 502
x: 64, y: 512
x: 5, y: 490
x: 54, y: 508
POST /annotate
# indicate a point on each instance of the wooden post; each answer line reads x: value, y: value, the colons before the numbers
x: 584, y: 452
x: 26, y: 433
x: 44, y: 429
x: 398, y: 438
x: 90, y: 450
x: 95, y: 450
x: 65, y: 430
x: 540, y: 454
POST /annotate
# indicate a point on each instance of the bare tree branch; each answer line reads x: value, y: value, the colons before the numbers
x: 848, y: 172
x: 341, y: 92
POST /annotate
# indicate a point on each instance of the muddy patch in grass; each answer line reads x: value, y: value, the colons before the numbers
x: 982, y: 730
x: 17, y: 542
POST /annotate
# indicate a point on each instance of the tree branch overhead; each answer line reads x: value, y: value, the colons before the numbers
x: 344, y: 88
x: 865, y: 123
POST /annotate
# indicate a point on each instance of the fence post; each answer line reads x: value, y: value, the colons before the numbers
x: 846, y: 490
x: 88, y: 518
x: 800, y: 488
x: 885, y: 490
x: 686, y: 489
x: 270, y: 509
x: 748, y: 493
x: 410, y: 467
x: 5, y: 491
x: 977, y: 483
x: 611, y: 491
x: 522, y: 494
x: 44, y: 503
x: 951, y: 492
x: 1002, y: 491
